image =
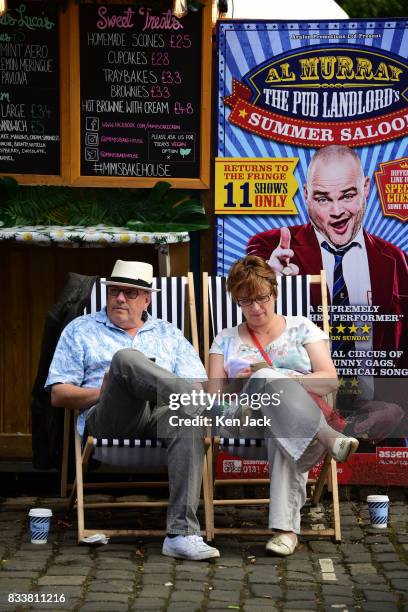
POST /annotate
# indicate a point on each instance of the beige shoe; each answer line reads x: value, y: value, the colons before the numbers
x: 281, y: 545
x: 343, y: 448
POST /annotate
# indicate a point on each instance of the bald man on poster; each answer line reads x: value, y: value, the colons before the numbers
x: 375, y: 271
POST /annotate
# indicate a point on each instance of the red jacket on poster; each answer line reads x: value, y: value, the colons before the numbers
x: 388, y: 267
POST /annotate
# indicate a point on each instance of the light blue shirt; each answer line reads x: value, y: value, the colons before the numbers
x: 88, y: 343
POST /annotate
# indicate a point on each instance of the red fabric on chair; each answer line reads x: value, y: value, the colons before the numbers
x: 333, y: 418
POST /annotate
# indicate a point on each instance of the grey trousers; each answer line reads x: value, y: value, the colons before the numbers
x: 291, y: 445
x: 288, y: 484
x: 124, y: 410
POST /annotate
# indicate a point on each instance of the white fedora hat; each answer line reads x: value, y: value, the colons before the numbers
x: 135, y: 274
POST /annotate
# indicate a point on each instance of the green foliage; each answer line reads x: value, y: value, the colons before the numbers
x: 374, y: 8
x: 170, y: 208
x: 149, y: 210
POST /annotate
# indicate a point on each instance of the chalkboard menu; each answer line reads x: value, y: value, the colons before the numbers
x: 140, y: 90
x: 29, y: 89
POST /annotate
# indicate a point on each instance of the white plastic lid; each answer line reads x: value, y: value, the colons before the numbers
x: 377, y: 498
x: 41, y: 512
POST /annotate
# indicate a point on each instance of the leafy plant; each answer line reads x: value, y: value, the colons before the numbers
x: 158, y: 209
x: 165, y: 206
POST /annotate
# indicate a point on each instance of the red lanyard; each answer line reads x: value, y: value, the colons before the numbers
x: 259, y: 346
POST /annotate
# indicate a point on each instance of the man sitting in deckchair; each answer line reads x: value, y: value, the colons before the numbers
x: 103, y: 366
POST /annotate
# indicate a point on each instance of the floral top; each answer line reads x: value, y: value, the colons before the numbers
x: 287, y: 352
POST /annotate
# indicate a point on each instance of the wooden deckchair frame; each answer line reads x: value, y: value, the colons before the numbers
x: 82, y: 457
x: 328, y: 473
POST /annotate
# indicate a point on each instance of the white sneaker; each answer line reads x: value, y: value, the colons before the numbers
x: 190, y: 547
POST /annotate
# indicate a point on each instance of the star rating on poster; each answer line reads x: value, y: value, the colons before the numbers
x: 350, y: 332
x: 353, y: 382
x: 349, y: 386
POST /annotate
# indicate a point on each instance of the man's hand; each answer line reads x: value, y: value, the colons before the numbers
x: 65, y: 395
x: 280, y: 257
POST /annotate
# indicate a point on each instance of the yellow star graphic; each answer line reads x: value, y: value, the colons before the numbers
x: 341, y: 382
x: 340, y: 329
x: 353, y: 329
x: 354, y: 382
x: 242, y: 113
x: 330, y: 329
x: 365, y: 329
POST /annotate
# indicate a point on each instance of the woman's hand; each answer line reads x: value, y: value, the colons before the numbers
x: 245, y: 373
x: 218, y: 377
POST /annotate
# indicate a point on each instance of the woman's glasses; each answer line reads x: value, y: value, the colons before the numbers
x: 259, y: 299
x: 130, y: 294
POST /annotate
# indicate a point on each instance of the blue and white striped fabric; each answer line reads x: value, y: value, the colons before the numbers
x: 249, y: 448
x: 110, y: 450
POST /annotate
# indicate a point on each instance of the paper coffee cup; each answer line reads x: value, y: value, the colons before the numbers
x: 39, y: 524
x: 378, y: 510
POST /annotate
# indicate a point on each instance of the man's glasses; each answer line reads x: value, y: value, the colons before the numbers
x: 130, y: 294
x: 259, y: 299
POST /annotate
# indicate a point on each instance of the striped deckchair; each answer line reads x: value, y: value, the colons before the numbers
x: 175, y: 303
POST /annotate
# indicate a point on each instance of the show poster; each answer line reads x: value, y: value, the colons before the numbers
x: 312, y: 172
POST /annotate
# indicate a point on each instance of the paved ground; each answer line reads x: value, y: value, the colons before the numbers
x: 368, y: 571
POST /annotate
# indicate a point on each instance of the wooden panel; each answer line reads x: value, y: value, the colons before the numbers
x: 96, y: 261
x: 74, y: 96
x: 65, y: 60
x: 41, y: 297
x: 179, y: 258
x: 15, y: 447
x: 208, y: 237
x: 16, y: 345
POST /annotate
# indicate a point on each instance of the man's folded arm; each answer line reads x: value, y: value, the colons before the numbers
x: 65, y: 395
